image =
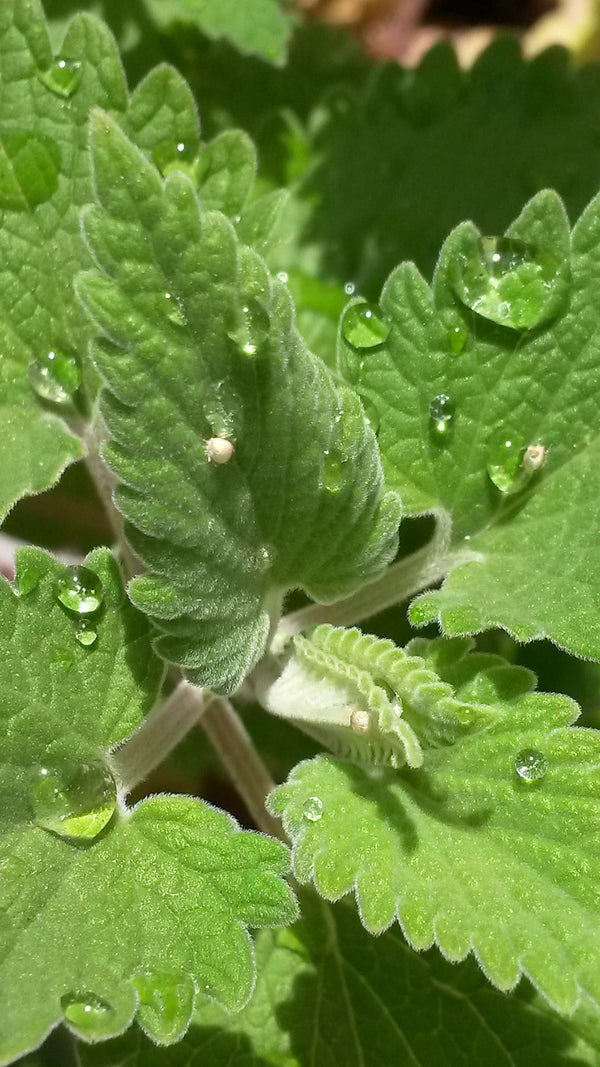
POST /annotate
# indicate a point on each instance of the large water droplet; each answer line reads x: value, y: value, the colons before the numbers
x: 313, y: 809
x: 89, y: 1014
x: 510, y: 282
x: 531, y: 765
x: 250, y: 328
x: 62, y: 77
x: 79, y: 590
x: 75, y: 801
x: 55, y: 376
x: 364, y: 327
x: 505, y: 463
x: 86, y: 633
x: 441, y: 413
x: 165, y: 1004
x: 29, y: 168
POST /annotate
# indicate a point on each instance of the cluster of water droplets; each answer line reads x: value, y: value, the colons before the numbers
x: 80, y: 591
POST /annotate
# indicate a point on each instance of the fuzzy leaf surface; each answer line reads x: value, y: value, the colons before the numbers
x: 260, y: 27
x: 299, y: 501
x: 464, y: 852
x: 327, y: 994
x: 169, y: 885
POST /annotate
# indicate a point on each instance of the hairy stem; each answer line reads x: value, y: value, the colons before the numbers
x: 399, y: 582
x: 248, y: 773
x: 164, y: 728
x: 105, y: 481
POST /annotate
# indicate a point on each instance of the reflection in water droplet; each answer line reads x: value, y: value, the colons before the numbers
x: 531, y: 765
x: 457, y: 338
x: 165, y: 1004
x: 251, y: 327
x: 75, y: 801
x: 313, y: 809
x: 29, y: 168
x: 219, y: 449
x: 79, y: 590
x: 364, y: 327
x: 173, y: 310
x: 510, y: 282
x: 62, y: 77
x: 505, y: 463
x: 89, y: 1014
x: 86, y: 633
x: 55, y: 377
x: 441, y: 413
x: 28, y: 580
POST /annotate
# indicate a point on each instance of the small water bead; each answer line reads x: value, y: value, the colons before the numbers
x: 169, y: 155
x: 364, y: 327
x: 251, y: 327
x: 75, y: 801
x: 55, y: 376
x: 531, y: 765
x: 457, y: 338
x: 173, y: 310
x: 219, y: 449
x: 89, y: 1014
x: 349, y: 288
x: 165, y: 1004
x: 283, y: 277
x: 333, y: 471
x: 313, y: 809
x: 510, y: 282
x: 441, y: 413
x: 86, y: 633
x: 62, y: 77
x: 79, y: 590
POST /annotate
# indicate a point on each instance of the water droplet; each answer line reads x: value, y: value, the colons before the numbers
x: 165, y: 1004
x: 62, y: 77
x: 510, y: 282
x: 29, y: 168
x: 85, y: 633
x: 28, y: 580
x: 79, y: 590
x: 441, y: 413
x: 219, y: 449
x: 54, y: 377
x: 349, y: 288
x: 173, y: 310
x: 251, y: 326
x: 170, y: 155
x: 333, y: 471
x: 89, y: 1014
x: 505, y: 463
x: 282, y: 276
x: 364, y: 327
x: 75, y: 801
x: 531, y: 765
x: 457, y: 338
x: 360, y: 721
x: 313, y: 809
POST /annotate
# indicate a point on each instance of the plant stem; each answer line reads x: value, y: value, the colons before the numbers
x: 248, y: 773
x: 399, y: 582
x: 105, y: 482
x: 164, y: 728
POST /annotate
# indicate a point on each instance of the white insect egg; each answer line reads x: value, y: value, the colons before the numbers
x: 219, y: 449
x: 534, y: 458
x: 360, y: 721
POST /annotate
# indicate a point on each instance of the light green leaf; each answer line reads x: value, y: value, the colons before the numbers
x: 490, y: 848
x: 261, y: 27
x: 244, y: 471
x: 99, y: 902
x: 531, y: 572
x: 327, y: 994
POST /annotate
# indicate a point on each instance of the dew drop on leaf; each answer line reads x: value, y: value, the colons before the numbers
x: 349, y: 288
x: 62, y: 77
x: 457, y: 339
x: 510, y: 282
x: 86, y: 633
x: 75, y: 801
x: 54, y: 376
x: 251, y: 327
x: 173, y: 310
x: 441, y: 413
x: 333, y: 471
x: 364, y: 327
x: 531, y: 765
x: 313, y: 809
x: 79, y: 590
x: 29, y: 168
x: 169, y: 155
x: 165, y: 1004
x: 89, y: 1014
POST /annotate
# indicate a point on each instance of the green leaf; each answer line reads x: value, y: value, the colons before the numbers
x: 154, y: 896
x: 489, y: 848
x: 327, y: 995
x: 261, y: 27
x: 200, y: 356
x: 529, y: 573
